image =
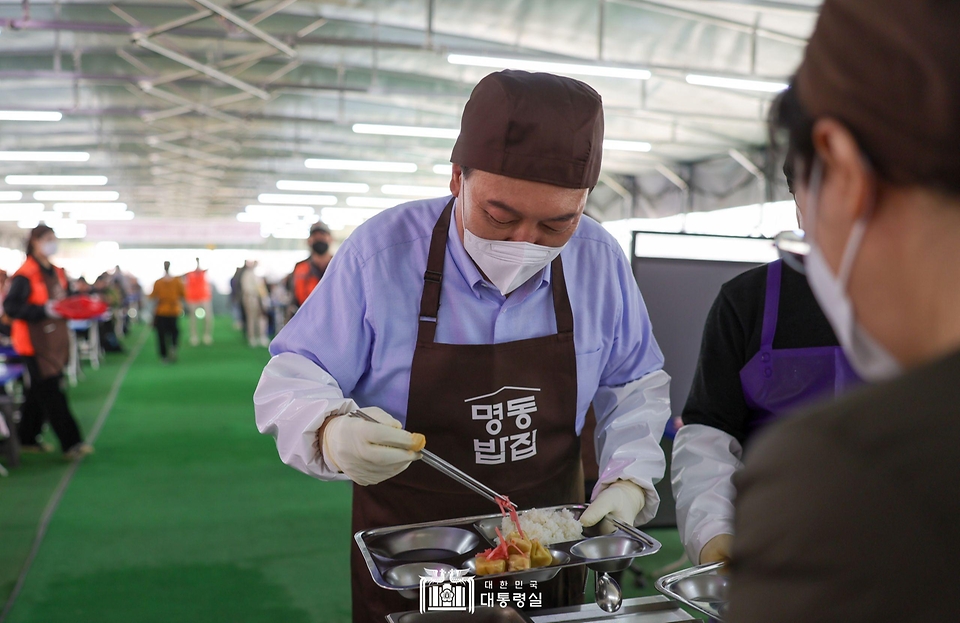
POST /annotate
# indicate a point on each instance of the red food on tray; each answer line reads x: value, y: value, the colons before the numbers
x: 80, y: 307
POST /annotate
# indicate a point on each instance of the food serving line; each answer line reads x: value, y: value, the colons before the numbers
x: 411, y: 558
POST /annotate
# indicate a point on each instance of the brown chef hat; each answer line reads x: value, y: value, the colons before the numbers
x: 533, y: 126
x: 890, y: 71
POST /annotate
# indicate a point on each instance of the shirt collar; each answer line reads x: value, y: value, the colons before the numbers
x: 470, y: 272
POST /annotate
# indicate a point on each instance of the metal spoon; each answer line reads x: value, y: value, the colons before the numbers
x: 609, y: 596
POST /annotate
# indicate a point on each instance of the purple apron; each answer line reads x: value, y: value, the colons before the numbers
x: 778, y: 381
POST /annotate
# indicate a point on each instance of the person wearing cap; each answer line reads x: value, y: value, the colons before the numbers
x: 487, y: 321
x: 767, y: 350
x: 308, y: 273
x: 840, y: 505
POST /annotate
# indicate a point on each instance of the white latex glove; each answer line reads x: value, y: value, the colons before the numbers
x: 369, y: 453
x: 50, y: 311
x: 623, y: 499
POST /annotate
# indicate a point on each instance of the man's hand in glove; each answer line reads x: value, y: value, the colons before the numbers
x: 623, y: 499
x: 717, y: 549
x: 366, y: 452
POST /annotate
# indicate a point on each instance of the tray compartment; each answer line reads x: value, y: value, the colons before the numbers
x: 407, y: 576
x: 609, y: 553
x: 425, y: 544
x: 703, y: 588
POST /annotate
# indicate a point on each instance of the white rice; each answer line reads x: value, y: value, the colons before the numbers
x: 547, y: 526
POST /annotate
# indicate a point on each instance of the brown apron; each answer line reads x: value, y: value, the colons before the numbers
x: 503, y: 413
x: 50, y: 337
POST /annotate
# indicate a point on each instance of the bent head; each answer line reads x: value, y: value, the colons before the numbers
x: 497, y: 207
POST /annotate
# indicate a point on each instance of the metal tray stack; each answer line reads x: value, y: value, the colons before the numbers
x: 703, y: 588
x: 399, y: 555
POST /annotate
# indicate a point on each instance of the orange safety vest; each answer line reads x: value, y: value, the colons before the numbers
x: 306, y: 276
x: 19, y: 330
x: 197, y: 288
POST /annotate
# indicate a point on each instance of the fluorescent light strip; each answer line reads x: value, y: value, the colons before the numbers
x: 76, y: 195
x: 70, y: 230
x: 56, y: 180
x: 310, y: 200
x: 373, y: 202
x: 549, y: 66
x: 360, y: 165
x: 711, y: 248
x: 443, y: 169
x: 29, y: 115
x: 625, y: 145
x: 10, y: 195
x: 338, y: 218
x: 405, y: 130
x: 20, y: 211
x: 291, y: 210
x: 415, y: 191
x: 328, y: 187
x: 87, y: 205
x: 736, y: 83
x: 44, y: 156
x: 102, y: 216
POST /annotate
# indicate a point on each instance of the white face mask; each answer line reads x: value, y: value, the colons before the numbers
x: 867, y: 356
x: 508, y: 265
x: 49, y: 248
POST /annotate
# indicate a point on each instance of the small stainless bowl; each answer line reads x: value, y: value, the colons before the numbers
x: 705, y: 588
x: 409, y: 575
x: 612, y: 546
x: 540, y: 574
x: 424, y: 544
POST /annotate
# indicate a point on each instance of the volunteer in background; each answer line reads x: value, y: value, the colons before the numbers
x: 255, y: 300
x: 41, y: 337
x: 199, y: 296
x: 838, y: 507
x: 167, y: 293
x: 307, y: 273
x: 487, y: 321
x: 767, y: 350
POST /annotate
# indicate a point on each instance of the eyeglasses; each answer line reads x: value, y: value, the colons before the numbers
x: 793, y: 248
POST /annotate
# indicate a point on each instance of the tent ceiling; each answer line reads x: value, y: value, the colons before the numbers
x: 289, y: 78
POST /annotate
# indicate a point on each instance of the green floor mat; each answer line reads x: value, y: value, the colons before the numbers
x: 25, y: 493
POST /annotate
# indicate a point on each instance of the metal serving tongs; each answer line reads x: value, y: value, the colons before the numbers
x: 449, y: 470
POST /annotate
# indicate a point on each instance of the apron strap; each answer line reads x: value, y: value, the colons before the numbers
x: 561, y: 302
x: 430, y: 300
x: 771, y: 304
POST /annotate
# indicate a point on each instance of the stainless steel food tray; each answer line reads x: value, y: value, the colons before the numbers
x: 396, y: 556
x: 703, y: 588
